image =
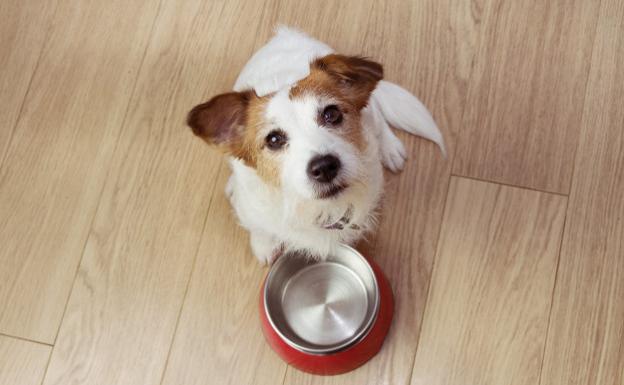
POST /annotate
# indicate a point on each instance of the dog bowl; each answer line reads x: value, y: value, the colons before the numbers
x: 326, y: 317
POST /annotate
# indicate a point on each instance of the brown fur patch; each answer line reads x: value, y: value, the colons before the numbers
x: 234, y: 122
x: 355, y: 76
x: 354, y: 134
x: 266, y: 162
x: 348, y: 81
x: 220, y: 121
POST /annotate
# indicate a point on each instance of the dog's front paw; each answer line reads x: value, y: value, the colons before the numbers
x: 266, y: 248
x: 393, y: 152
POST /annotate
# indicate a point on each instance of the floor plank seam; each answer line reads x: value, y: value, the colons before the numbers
x: 552, y: 294
x: 285, y: 373
x: 99, y: 201
x: 108, y: 171
x: 47, y: 365
x: 589, y: 67
x: 25, y: 339
x: 190, y: 278
x: 484, y: 285
x: 509, y: 185
x: 448, y: 187
x: 433, y: 263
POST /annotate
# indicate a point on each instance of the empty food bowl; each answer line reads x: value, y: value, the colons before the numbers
x: 326, y: 317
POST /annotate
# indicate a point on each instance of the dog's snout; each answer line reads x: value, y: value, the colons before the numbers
x: 323, y: 168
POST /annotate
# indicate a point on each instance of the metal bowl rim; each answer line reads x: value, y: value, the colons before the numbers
x: 347, y: 344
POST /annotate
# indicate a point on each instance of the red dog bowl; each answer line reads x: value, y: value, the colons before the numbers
x: 326, y: 317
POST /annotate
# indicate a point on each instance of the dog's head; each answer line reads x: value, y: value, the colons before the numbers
x: 307, y: 139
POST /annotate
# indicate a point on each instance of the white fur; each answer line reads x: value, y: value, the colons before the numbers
x: 290, y: 217
x: 283, y: 61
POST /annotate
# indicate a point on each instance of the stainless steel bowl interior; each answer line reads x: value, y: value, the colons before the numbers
x: 321, y: 307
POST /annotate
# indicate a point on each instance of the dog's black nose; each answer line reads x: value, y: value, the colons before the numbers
x: 323, y: 168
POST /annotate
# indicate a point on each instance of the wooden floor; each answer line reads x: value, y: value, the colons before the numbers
x: 120, y: 259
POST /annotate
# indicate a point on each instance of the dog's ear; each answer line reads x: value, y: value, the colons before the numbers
x: 221, y: 121
x: 357, y: 76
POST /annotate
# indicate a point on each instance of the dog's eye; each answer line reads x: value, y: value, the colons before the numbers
x: 332, y: 115
x: 276, y: 139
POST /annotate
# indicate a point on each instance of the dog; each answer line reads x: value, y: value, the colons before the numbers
x: 307, y: 132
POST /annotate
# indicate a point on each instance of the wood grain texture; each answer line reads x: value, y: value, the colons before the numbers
x: 22, y: 362
x: 487, y: 311
x: 125, y: 303
x: 218, y: 339
x: 224, y: 346
x: 23, y: 33
x: 99, y: 176
x: 435, y: 64
x: 526, y: 95
x: 54, y: 170
x: 586, y: 334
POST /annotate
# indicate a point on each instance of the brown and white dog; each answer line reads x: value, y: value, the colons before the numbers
x: 307, y: 132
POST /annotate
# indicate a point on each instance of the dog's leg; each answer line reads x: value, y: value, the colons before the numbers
x: 393, y: 152
x: 265, y: 247
x: 391, y: 149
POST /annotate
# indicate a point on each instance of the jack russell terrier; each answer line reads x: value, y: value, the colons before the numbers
x: 307, y: 131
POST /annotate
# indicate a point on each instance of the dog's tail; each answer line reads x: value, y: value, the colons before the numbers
x: 404, y: 111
